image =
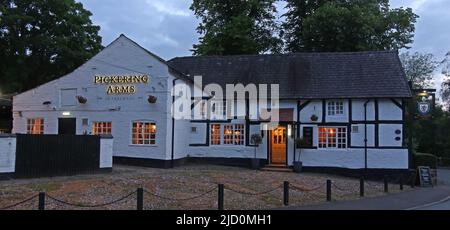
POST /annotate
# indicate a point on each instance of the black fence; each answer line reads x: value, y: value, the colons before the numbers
x: 56, y: 155
x: 284, y: 190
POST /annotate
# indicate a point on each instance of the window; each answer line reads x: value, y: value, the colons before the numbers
x: 99, y: 128
x: 335, y: 108
x: 215, y: 134
x: 335, y: 137
x: 219, y: 109
x: 144, y: 133
x: 35, y: 126
x: 308, y: 136
x: 233, y: 134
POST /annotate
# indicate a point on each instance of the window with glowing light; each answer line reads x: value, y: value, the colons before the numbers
x: 35, y: 126
x: 335, y: 108
x: 144, y: 133
x: 233, y: 134
x: 215, y: 134
x: 333, y: 137
x: 99, y: 128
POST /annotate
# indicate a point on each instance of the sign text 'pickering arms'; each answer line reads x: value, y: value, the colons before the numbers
x: 121, y: 84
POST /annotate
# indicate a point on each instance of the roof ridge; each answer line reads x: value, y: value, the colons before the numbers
x: 290, y: 54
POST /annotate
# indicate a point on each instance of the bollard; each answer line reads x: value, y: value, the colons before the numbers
x: 286, y: 193
x: 361, y: 187
x: 220, y: 197
x: 41, y: 201
x: 328, y: 190
x: 401, y: 183
x: 140, y: 199
x: 413, y: 181
x: 386, y: 185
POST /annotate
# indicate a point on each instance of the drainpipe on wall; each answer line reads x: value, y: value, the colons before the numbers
x: 365, y: 136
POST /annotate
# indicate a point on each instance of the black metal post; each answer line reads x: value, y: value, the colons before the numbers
x: 361, y: 187
x: 413, y: 180
x: 286, y: 193
x: 140, y: 199
x: 328, y: 190
x: 401, y: 183
x: 386, y: 185
x: 220, y: 197
x: 41, y: 201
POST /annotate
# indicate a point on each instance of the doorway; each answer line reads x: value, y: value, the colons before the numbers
x: 67, y: 126
x: 278, y: 146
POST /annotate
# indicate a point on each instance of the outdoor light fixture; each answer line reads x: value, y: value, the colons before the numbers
x: 423, y: 94
x: 289, y: 130
x: 66, y: 113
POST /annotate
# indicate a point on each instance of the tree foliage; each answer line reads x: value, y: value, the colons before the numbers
x: 41, y: 40
x: 344, y: 25
x: 419, y: 68
x: 445, y: 87
x: 236, y: 27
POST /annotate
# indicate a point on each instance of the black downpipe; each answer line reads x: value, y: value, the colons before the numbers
x: 365, y: 136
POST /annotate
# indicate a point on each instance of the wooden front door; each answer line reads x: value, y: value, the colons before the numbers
x: 278, y: 145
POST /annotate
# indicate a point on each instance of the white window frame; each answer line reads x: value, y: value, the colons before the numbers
x: 335, y: 108
x: 32, y: 121
x: 143, y: 122
x: 236, y: 127
x: 94, y: 128
x: 337, y: 140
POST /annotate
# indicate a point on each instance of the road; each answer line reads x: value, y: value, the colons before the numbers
x: 443, y: 180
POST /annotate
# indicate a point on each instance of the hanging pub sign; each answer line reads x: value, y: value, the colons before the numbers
x: 424, y: 104
x: 121, y: 84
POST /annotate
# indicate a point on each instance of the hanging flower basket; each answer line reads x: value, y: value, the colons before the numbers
x: 314, y: 118
x: 81, y: 99
x: 152, y: 99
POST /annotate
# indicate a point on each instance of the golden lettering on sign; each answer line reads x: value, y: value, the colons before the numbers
x: 121, y: 84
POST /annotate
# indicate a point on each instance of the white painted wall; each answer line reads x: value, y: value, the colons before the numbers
x: 358, y: 110
x: 388, y: 135
x: 357, y: 139
x: 389, y: 111
x: 354, y: 158
x: 122, y: 57
x: 7, y: 153
x: 106, y: 152
x: 313, y: 108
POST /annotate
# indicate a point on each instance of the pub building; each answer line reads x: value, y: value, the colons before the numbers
x: 334, y: 101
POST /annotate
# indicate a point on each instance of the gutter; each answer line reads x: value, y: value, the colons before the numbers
x: 173, y: 124
x: 365, y: 135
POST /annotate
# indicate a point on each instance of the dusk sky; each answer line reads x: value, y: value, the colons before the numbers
x: 168, y: 27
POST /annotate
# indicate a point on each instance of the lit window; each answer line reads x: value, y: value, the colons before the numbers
x: 335, y: 108
x: 35, y: 126
x: 233, y: 134
x: 333, y: 137
x: 99, y: 128
x: 215, y: 134
x: 144, y: 133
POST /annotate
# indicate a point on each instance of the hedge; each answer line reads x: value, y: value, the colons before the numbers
x: 424, y: 159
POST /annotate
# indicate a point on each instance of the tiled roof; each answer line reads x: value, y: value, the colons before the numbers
x: 306, y: 75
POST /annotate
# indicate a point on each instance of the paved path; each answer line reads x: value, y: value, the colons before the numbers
x: 443, y: 180
x: 415, y: 199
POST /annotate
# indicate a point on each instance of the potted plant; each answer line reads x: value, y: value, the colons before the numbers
x: 81, y: 99
x: 256, y: 140
x: 299, y: 144
x: 314, y: 118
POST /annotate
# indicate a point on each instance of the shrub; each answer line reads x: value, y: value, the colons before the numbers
x: 424, y: 159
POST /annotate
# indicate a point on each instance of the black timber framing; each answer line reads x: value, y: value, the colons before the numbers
x: 377, y: 123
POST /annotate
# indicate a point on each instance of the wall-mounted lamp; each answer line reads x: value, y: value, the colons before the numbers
x: 289, y: 130
x: 66, y: 113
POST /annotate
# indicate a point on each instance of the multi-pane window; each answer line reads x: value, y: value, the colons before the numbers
x: 335, y: 108
x: 333, y: 137
x: 219, y: 109
x: 144, y: 133
x: 99, y: 128
x: 215, y: 134
x: 35, y: 126
x: 233, y: 134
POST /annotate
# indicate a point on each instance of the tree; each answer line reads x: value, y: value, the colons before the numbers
x: 419, y: 68
x: 445, y: 88
x: 360, y: 25
x: 41, y: 40
x: 236, y: 27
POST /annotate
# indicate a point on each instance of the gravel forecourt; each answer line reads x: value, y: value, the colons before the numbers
x: 171, y: 189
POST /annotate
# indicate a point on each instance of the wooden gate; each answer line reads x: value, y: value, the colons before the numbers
x: 56, y: 155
